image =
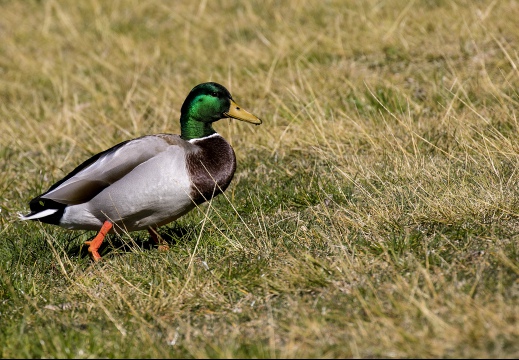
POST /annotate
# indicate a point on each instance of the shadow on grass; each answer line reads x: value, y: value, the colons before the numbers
x: 124, y: 244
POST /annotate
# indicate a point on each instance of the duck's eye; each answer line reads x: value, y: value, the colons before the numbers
x: 214, y: 93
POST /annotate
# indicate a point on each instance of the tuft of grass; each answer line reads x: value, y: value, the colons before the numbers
x: 373, y: 214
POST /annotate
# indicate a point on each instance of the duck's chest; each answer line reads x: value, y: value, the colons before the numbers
x: 211, y: 167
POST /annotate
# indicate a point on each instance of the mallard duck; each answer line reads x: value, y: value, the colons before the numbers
x: 149, y: 181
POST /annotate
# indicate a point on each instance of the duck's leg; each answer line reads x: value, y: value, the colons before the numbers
x: 158, y: 240
x: 94, y: 244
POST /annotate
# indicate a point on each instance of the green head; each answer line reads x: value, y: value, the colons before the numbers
x: 205, y: 104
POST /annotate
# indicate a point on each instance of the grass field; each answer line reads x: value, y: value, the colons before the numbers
x: 375, y: 213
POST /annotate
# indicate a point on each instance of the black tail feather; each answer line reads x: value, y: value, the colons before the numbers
x: 39, y: 204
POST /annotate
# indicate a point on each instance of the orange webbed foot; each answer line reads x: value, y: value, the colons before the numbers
x: 95, y: 244
x: 162, y: 245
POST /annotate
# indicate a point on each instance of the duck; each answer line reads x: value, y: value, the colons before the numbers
x: 149, y: 181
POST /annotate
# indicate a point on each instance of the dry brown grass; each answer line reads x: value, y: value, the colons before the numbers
x: 374, y: 214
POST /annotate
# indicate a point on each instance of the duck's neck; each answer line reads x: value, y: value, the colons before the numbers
x: 191, y: 129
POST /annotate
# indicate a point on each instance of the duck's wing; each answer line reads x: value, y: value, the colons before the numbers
x: 101, y: 170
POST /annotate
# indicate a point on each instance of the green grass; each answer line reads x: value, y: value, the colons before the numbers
x: 375, y: 213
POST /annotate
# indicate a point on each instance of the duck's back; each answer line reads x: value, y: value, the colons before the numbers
x: 127, y: 179
x: 154, y: 193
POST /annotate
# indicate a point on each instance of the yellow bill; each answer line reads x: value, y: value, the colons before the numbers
x: 236, y: 112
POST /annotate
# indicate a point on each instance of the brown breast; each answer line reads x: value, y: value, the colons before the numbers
x: 211, y: 167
